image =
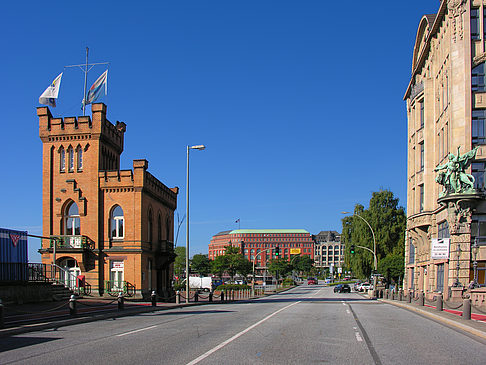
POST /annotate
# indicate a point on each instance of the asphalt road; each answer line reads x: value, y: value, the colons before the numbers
x: 306, y: 325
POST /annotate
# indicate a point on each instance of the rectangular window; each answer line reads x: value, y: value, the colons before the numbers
x: 422, y: 156
x: 422, y: 115
x: 411, y: 253
x: 421, y: 194
x: 443, y: 230
x: 478, y: 228
x: 478, y: 123
x: 440, y: 277
x: 475, y: 26
x: 477, y: 78
x: 478, y: 171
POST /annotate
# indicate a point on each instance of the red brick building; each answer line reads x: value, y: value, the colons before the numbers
x: 259, y: 244
x: 114, y: 227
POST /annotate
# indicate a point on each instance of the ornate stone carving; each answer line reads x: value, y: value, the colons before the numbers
x: 459, y: 216
x: 478, y: 59
x: 456, y: 10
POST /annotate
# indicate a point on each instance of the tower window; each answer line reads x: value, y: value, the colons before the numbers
x: 62, y: 160
x: 117, y: 222
x: 70, y: 159
x: 80, y: 158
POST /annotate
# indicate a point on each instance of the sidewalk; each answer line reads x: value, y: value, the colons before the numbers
x: 453, y: 318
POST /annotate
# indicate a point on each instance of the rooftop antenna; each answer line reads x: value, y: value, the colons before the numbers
x: 86, y: 68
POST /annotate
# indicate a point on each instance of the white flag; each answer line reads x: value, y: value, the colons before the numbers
x: 95, y: 89
x: 49, y: 96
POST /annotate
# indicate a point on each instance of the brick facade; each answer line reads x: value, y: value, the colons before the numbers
x: 81, y: 169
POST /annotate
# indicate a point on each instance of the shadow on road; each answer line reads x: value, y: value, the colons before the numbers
x: 13, y: 343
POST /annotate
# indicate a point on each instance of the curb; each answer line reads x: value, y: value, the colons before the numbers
x: 438, y: 318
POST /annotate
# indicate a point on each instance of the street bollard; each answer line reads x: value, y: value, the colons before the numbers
x: 196, y: 296
x: 121, y: 301
x: 72, y: 306
x: 400, y: 295
x: 153, y: 298
x: 222, y: 296
x: 409, y: 297
x: 2, y: 323
x: 466, y: 313
x: 421, y: 299
x: 178, y: 297
x: 440, y: 304
x: 211, y: 296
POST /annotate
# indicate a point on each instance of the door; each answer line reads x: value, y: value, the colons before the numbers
x: 117, y: 275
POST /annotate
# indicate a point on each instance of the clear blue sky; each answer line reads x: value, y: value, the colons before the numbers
x: 298, y: 102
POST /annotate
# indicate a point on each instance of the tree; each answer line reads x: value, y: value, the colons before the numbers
x: 392, y: 267
x: 232, y: 262
x: 280, y: 266
x: 302, y: 264
x: 200, y: 264
x: 388, y: 221
x: 180, y: 261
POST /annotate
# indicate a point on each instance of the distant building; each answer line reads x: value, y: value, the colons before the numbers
x: 259, y: 244
x: 113, y: 227
x: 329, y: 251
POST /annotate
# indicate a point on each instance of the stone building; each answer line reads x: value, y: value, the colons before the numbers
x: 446, y: 110
x: 329, y: 251
x: 112, y: 227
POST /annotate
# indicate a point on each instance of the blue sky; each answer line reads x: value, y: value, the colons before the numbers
x: 298, y: 102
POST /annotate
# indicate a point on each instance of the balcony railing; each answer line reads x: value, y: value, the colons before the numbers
x: 69, y: 242
x: 114, y: 287
x: 165, y: 246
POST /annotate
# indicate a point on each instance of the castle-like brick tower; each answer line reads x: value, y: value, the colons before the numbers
x: 111, y: 228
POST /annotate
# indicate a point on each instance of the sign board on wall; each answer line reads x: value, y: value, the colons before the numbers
x: 439, y: 249
x: 117, y: 265
x: 295, y: 251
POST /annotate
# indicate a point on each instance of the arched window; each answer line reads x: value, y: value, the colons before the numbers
x: 150, y: 226
x: 117, y: 222
x: 167, y: 229
x: 62, y: 160
x: 79, y: 153
x: 70, y: 159
x: 71, y: 220
x: 159, y: 228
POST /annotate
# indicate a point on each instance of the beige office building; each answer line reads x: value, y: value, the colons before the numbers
x: 446, y: 108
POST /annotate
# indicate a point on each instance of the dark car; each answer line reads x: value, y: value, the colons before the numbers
x: 342, y: 288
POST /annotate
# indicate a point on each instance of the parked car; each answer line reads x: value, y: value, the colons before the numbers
x: 311, y: 281
x: 364, y: 287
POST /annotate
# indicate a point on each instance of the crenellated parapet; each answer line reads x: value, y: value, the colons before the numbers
x: 81, y: 128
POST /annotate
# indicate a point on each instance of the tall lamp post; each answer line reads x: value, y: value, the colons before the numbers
x: 475, y: 251
x: 197, y: 147
x: 373, y: 252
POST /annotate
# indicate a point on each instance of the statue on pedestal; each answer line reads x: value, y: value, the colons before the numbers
x: 452, y: 175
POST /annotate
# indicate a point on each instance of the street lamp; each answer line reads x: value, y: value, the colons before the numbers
x: 197, y: 147
x: 366, y: 248
x: 475, y: 251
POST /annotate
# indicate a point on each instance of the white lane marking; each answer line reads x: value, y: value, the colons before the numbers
x: 358, y: 337
x: 135, y: 331
x: 355, y: 328
x: 205, y: 355
x: 347, y: 311
x: 344, y: 303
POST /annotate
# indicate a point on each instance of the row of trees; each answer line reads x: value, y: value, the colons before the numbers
x: 388, y: 221
x: 235, y: 263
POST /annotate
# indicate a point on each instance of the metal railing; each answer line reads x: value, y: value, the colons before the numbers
x: 78, y: 241
x: 114, y: 287
x: 37, y: 272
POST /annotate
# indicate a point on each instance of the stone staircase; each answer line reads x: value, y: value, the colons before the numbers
x: 60, y: 292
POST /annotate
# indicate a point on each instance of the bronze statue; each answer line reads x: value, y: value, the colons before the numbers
x: 452, y: 174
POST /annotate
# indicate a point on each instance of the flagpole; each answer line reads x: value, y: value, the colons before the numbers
x: 85, y: 82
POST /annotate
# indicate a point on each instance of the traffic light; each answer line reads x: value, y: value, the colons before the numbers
x: 351, y: 249
x: 277, y: 251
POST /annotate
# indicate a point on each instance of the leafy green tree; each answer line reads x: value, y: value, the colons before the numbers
x: 180, y: 261
x: 280, y: 265
x: 392, y: 267
x: 388, y: 221
x: 303, y: 264
x: 232, y: 262
x: 200, y: 264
